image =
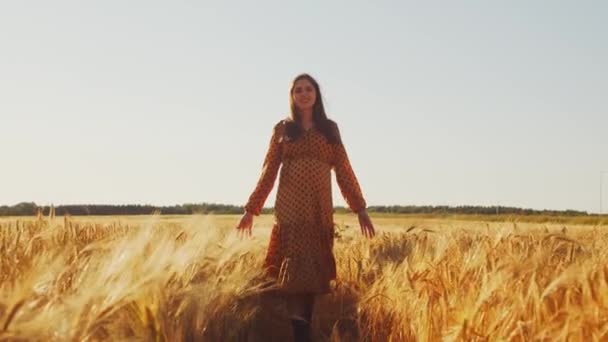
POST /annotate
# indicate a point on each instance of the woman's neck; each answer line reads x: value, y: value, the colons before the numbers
x: 306, y: 119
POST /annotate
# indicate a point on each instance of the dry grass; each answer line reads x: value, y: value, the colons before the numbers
x: 183, y: 279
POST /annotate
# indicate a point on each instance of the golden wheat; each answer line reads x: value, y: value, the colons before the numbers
x: 192, y: 279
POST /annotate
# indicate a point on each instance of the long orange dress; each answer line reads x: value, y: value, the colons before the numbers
x: 300, y: 254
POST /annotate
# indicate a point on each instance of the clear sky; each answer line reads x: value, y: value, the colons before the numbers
x: 439, y: 102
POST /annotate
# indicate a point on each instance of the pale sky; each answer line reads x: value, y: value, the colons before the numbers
x: 439, y: 102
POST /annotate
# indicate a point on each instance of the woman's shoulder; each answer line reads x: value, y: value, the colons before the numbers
x: 334, y: 131
x: 279, y: 127
x: 281, y: 124
x: 332, y: 124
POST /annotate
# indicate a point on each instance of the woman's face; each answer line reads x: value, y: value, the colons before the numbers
x: 304, y: 94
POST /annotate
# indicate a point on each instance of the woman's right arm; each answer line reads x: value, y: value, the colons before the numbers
x: 270, y: 169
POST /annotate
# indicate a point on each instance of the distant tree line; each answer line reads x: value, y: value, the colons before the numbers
x: 31, y: 208
x: 470, y: 210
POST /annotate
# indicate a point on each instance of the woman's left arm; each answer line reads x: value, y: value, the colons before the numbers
x: 347, y: 180
x: 350, y: 188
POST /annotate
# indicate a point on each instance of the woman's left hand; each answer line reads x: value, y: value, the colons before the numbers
x: 367, y: 228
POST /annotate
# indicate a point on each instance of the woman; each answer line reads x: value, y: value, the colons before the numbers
x: 300, y: 256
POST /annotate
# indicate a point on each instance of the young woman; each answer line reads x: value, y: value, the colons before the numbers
x: 300, y: 256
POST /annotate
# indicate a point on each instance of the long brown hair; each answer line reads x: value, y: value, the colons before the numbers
x: 293, y: 126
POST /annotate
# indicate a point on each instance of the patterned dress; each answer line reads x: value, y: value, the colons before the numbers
x: 300, y: 254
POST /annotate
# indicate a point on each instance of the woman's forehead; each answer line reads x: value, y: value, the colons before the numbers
x: 302, y: 83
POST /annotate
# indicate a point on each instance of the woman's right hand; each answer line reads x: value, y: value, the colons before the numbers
x: 244, y: 227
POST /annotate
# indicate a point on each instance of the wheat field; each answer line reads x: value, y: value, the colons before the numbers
x: 164, y: 278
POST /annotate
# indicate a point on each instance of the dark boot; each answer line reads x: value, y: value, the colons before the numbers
x: 301, y: 330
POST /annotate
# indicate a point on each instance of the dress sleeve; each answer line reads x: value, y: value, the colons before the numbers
x: 345, y: 176
x: 270, y: 169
